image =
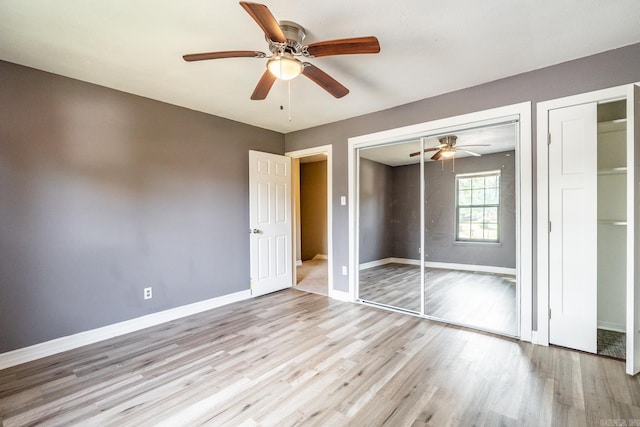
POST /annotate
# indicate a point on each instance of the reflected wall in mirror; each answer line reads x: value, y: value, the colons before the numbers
x: 385, y: 189
x: 470, y: 229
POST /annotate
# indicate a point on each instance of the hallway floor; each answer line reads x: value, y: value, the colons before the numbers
x: 312, y: 276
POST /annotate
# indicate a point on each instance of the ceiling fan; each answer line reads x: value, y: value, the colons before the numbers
x: 447, y: 148
x: 285, y: 44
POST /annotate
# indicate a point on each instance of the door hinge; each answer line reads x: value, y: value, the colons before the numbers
x: 549, y: 226
x: 549, y: 139
x: 549, y: 313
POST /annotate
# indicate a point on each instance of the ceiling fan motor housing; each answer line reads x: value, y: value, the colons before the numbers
x: 448, y: 140
x: 294, y: 34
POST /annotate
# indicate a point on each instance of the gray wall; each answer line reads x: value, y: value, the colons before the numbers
x: 405, y: 225
x: 376, y: 206
x: 103, y: 193
x: 313, y: 209
x: 611, y: 68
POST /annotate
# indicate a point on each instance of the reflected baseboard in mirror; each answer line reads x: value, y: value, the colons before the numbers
x: 482, y: 300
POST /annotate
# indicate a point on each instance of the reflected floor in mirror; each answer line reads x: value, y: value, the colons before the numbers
x: 482, y: 300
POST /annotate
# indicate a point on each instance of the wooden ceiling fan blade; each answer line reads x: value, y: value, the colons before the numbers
x: 417, y: 153
x: 224, y: 54
x: 263, y: 17
x: 437, y: 155
x: 324, y: 80
x: 264, y: 86
x: 356, y: 45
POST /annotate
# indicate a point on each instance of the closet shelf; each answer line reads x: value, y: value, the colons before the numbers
x: 612, y: 222
x: 612, y: 171
x: 612, y: 125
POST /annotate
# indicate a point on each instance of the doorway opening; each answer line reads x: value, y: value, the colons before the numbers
x: 311, y: 174
x: 612, y: 228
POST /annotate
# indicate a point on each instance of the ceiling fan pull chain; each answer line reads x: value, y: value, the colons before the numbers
x: 289, y: 86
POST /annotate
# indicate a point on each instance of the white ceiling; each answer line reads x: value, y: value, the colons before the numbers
x: 428, y: 48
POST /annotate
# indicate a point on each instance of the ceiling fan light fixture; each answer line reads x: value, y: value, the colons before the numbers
x: 448, y: 153
x: 284, y: 66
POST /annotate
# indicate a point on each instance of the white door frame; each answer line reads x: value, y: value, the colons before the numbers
x: 524, y: 182
x: 328, y: 150
x: 542, y: 225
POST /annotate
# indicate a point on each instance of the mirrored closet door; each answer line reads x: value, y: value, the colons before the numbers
x: 389, y: 223
x: 437, y: 226
x: 470, y: 228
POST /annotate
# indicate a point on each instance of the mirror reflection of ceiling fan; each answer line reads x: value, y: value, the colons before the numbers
x: 285, y: 43
x: 447, y: 148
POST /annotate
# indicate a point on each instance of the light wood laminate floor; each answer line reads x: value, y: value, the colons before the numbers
x: 296, y: 358
x: 482, y: 300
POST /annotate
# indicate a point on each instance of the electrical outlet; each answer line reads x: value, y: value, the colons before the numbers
x: 344, y: 270
x: 147, y: 292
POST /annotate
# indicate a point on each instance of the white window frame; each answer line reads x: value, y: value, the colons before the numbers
x: 457, y: 206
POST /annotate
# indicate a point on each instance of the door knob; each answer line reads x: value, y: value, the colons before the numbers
x: 254, y: 231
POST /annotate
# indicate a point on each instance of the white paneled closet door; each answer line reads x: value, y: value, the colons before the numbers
x: 573, y: 227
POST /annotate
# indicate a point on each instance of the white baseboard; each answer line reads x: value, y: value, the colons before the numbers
x: 340, y: 295
x: 611, y: 326
x: 534, y: 337
x: 376, y: 263
x: 443, y: 265
x: 58, y: 345
x: 526, y: 335
x: 320, y: 256
x: 471, y: 267
x: 298, y: 262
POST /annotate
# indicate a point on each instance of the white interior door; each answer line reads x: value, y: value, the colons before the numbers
x: 633, y: 231
x: 573, y: 227
x: 270, y: 222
